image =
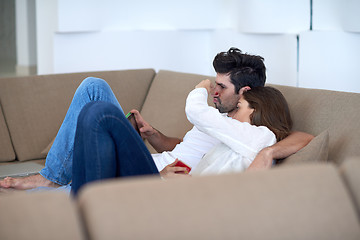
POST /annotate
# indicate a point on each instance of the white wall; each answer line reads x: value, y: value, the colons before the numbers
x: 336, y: 15
x: 25, y: 32
x: 330, y: 59
x: 329, y: 55
x: 274, y: 16
x: 46, y: 26
x: 25, y: 36
x: 94, y: 35
x: 182, y: 50
x: 90, y: 35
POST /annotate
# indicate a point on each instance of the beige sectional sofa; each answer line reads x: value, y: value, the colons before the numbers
x: 313, y: 194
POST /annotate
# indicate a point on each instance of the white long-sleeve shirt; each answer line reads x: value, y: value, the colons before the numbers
x: 194, y: 146
x: 240, y: 142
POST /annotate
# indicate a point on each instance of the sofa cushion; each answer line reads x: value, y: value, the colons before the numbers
x: 314, y: 110
x: 164, y: 107
x: 35, y: 106
x: 274, y: 204
x: 316, y: 151
x: 6, y: 151
x: 47, y: 215
x: 350, y: 171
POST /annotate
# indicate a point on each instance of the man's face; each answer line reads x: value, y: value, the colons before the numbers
x: 224, y: 95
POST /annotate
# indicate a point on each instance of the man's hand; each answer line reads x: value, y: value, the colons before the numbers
x: 205, y: 84
x: 171, y: 171
x: 263, y: 160
x: 146, y: 130
x: 159, y: 141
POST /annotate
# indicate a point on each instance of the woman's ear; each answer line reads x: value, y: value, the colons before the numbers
x: 244, y: 89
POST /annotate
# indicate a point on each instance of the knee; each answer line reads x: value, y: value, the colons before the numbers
x: 94, y: 82
x: 93, y: 112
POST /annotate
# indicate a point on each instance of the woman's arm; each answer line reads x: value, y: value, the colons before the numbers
x: 290, y: 145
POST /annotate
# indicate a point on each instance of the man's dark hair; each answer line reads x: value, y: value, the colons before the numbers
x: 244, y: 69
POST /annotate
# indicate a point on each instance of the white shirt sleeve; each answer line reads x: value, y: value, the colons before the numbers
x: 239, y: 136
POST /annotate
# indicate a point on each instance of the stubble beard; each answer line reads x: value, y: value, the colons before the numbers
x: 224, y: 109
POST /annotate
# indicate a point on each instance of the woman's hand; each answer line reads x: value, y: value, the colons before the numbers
x: 205, y: 84
x: 172, y: 171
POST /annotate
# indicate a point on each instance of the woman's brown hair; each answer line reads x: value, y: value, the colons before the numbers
x: 270, y: 110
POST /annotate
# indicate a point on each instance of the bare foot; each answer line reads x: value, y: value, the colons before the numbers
x: 29, y: 182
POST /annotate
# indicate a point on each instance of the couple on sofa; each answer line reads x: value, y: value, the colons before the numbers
x: 96, y: 141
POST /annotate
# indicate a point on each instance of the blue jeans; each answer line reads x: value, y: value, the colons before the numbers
x: 58, y: 166
x: 107, y: 146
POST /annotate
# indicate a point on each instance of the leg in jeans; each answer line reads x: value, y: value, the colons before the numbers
x: 107, y: 146
x: 58, y: 167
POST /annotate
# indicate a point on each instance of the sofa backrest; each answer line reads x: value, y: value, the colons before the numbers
x: 276, y: 204
x: 164, y: 106
x: 315, y: 110
x: 35, y: 106
x: 41, y: 216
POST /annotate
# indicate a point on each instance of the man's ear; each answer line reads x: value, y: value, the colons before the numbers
x: 244, y: 89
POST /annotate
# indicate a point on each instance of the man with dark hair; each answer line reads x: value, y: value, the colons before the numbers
x: 236, y: 72
x: 242, y: 69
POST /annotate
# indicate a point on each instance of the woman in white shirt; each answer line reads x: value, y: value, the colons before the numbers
x: 262, y: 119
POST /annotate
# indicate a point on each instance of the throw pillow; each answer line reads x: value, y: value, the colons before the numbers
x: 316, y: 151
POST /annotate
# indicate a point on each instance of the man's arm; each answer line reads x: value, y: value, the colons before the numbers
x: 290, y: 145
x: 159, y: 141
